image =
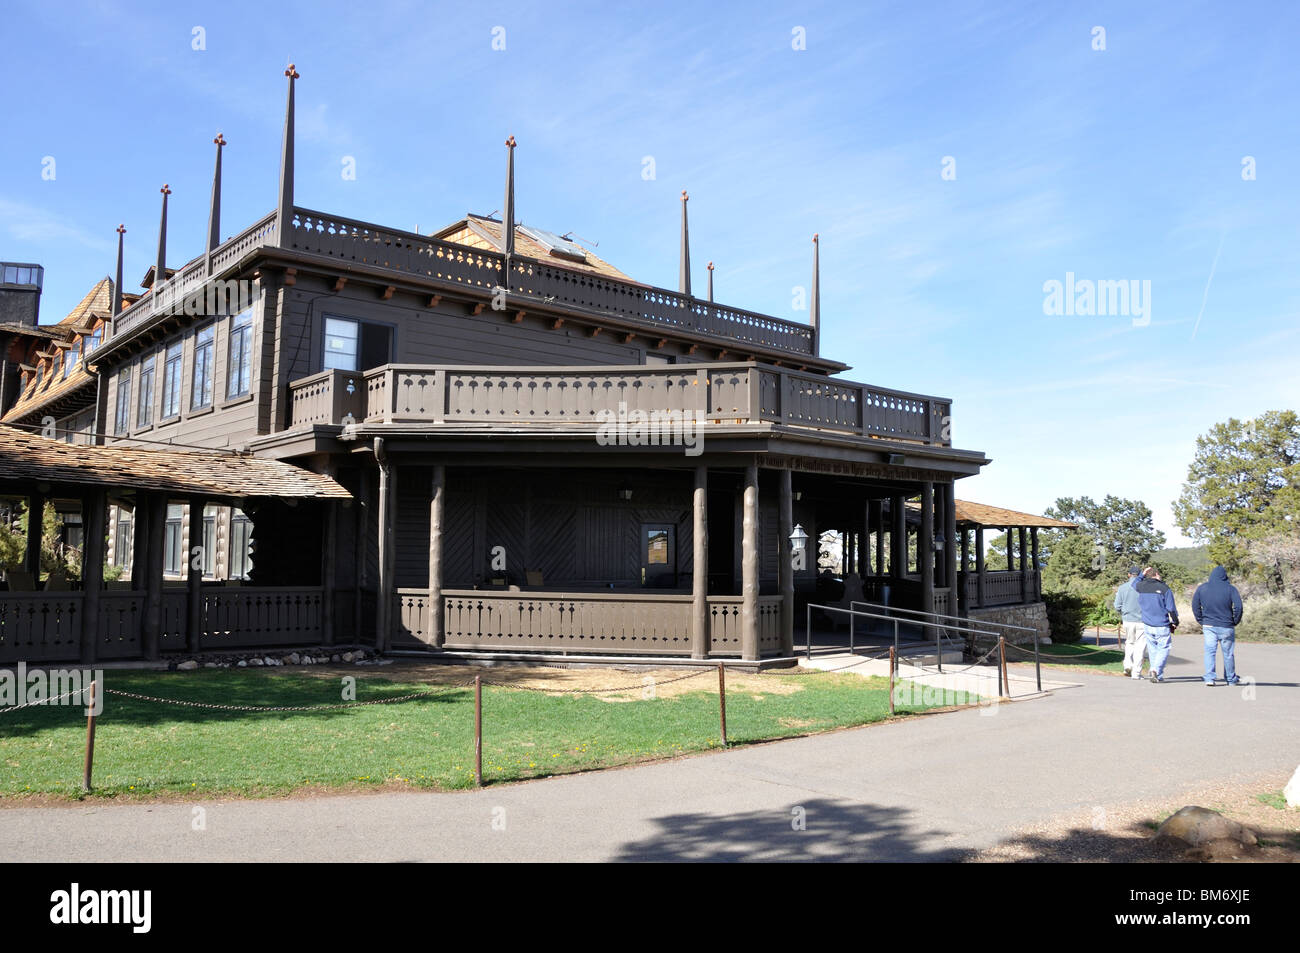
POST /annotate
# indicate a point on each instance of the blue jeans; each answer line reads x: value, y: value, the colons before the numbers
x: 1159, y: 641
x: 1216, y: 637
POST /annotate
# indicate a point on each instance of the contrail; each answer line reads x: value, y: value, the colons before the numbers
x: 1206, y: 296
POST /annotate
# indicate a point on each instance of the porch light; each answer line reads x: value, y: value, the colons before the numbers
x: 798, y: 539
x: 625, y: 492
x: 938, y: 543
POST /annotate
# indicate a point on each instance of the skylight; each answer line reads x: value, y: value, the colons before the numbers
x: 554, y: 244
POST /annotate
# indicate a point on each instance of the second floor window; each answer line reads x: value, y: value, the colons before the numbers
x: 95, y: 339
x: 144, y: 409
x: 171, y: 386
x: 241, y: 354
x: 356, y: 345
x: 201, y: 385
x: 122, y: 415
x: 70, y: 360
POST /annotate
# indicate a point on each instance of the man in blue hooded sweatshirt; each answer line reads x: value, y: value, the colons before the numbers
x: 1159, y: 618
x: 1217, y: 607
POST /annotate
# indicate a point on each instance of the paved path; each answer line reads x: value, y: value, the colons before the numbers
x: 924, y: 788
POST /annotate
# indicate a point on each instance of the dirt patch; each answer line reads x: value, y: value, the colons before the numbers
x: 608, y: 684
x: 1126, y: 833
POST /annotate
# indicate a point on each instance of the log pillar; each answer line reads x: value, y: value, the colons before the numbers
x: 925, y: 547
x: 700, y: 565
x: 898, y: 537
x: 979, y: 566
x: 195, y: 559
x: 437, y: 519
x: 155, y: 506
x: 963, y: 601
x: 35, y: 526
x: 785, y: 562
x: 328, y: 568
x: 878, y: 521
x: 94, y: 506
x: 749, y: 567
x: 950, y: 545
x: 384, y: 612
x: 1025, y: 569
x: 1038, y: 579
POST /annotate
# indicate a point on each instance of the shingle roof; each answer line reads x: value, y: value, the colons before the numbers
x: 29, y: 457
x: 471, y: 230
x: 981, y: 514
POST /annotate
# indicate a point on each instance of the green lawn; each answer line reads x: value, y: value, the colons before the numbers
x: 1079, y: 655
x: 144, y: 748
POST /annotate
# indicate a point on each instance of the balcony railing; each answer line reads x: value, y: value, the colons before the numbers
x: 716, y: 394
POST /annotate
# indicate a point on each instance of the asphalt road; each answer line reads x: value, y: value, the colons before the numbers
x: 927, y: 788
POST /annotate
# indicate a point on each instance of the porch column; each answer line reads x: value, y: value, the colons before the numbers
x: 155, y: 505
x: 785, y: 562
x: 749, y: 567
x: 950, y: 545
x: 1024, y: 568
x: 35, y: 521
x: 194, y: 577
x: 140, y: 542
x: 1038, y: 579
x: 898, y: 538
x: 384, y: 613
x: 328, y: 569
x: 437, y: 514
x: 925, y: 547
x: 93, y: 510
x: 877, y: 520
x: 979, y: 566
x: 700, y: 565
x: 963, y: 602
x: 360, y: 551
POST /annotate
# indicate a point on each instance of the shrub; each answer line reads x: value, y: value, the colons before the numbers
x: 1270, y: 619
x: 1065, y: 615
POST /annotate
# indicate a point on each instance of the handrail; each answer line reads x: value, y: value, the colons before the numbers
x: 937, y: 615
x: 875, y: 615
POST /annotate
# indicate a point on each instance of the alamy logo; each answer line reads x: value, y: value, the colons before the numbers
x: 73, y: 906
x: 1083, y: 296
x: 656, y: 428
x: 58, y: 686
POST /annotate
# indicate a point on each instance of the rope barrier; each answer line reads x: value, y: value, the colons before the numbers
x: 1047, y: 654
x: 45, y: 701
x: 216, y: 707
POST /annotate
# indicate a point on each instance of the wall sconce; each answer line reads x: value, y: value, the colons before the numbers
x: 625, y: 492
x: 938, y: 544
x: 798, y: 538
x: 798, y: 495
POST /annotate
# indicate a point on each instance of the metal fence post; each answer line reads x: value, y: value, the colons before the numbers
x: 852, y: 616
x: 808, y: 632
x: 938, y: 648
x: 892, y: 661
x: 1038, y: 669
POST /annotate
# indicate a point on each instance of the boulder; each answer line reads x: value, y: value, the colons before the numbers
x: 188, y: 665
x: 294, y: 659
x: 241, y: 664
x: 256, y: 662
x: 1195, y: 826
x: 1292, y: 790
x: 348, y: 656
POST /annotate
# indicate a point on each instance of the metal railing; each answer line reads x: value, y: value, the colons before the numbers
x: 856, y: 613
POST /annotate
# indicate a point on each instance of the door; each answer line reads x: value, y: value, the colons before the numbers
x: 658, y: 555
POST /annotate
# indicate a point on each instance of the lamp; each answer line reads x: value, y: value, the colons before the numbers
x: 798, y: 538
x: 625, y: 492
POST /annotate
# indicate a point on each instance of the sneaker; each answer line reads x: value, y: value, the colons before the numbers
x: 1210, y: 684
x: 1128, y: 671
x: 1153, y: 678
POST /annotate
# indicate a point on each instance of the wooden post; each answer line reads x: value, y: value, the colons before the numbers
x: 700, y: 565
x: 35, y: 526
x: 722, y: 700
x: 156, y: 506
x: 749, y: 568
x: 361, y: 550
x: 950, y: 545
x: 891, y: 679
x: 194, y: 577
x: 925, y: 547
x: 478, y: 731
x: 785, y: 558
x: 94, y: 506
x: 898, y: 537
x: 979, y: 566
x: 437, y: 517
x: 384, y: 613
x: 90, y: 739
x: 1002, y: 665
x: 963, y: 601
x: 877, y: 520
x: 328, y: 569
x: 1024, y: 567
x: 1033, y: 564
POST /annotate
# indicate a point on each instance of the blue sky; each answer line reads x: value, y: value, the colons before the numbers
x: 1115, y: 164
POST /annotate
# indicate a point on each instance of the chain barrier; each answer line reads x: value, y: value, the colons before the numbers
x: 1053, y: 655
x: 978, y: 661
x: 215, y: 707
x: 597, y: 691
x: 45, y: 701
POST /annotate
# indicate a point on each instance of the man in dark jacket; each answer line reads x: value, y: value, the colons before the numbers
x: 1217, y: 607
x: 1159, y: 618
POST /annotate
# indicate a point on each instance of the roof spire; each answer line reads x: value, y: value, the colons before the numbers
x: 214, y: 209
x: 684, y: 268
x: 508, y: 210
x: 710, y: 282
x: 160, y: 269
x: 814, y: 305
x: 117, y: 281
x: 284, y: 211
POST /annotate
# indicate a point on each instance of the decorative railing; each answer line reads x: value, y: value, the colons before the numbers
x: 334, y: 236
x: 1003, y: 588
x: 265, y: 615
x: 587, y: 396
x: 40, y: 626
x: 598, y: 623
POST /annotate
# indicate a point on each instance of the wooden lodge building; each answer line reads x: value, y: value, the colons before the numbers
x: 484, y: 440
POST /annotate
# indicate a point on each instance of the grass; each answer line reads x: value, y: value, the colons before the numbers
x: 1068, y: 655
x: 1273, y: 799
x: 146, y: 749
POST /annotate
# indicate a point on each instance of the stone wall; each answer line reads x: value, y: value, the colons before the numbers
x: 1033, y: 616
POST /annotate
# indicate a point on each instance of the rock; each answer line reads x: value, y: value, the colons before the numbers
x: 268, y: 661
x: 334, y: 658
x: 241, y: 664
x: 1197, y: 826
x: 188, y: 665
x: 349, y: 656
x: 294, y: 659
x: 1292, y: 790
x: 255, y: 662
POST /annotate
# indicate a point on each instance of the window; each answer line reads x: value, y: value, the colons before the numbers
x: 70, y: 360
x: 122, y: 415
x: 95, y: 338
x: 172, y: 541
x: 201, y: 384
x: 209, y: 542
x: 241, y: 354
x: 56, y: 365
x: 23, y: 275
x: 171, y: 386
x: 144, y: 409
x: 355, y: 345
x: 122, y: 542
x: 241, y: 546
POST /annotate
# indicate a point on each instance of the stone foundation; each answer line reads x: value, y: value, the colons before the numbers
x: 1032, y: 616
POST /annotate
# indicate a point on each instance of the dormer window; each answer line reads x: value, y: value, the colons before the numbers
x: 70, y: 360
